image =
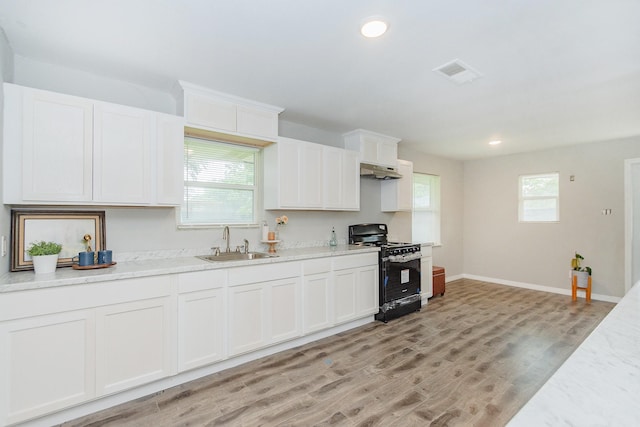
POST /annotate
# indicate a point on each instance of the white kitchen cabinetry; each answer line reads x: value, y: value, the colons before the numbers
x: 355, y: 286
x: 293, y: 175
x: 66, y: 345
x: 307, y: 176
x: 48, y: 146
x: 169, y: 160
x: 201, y: 318
x: 397, y: 194
x: 426, y: 273
x: 374, y: 148
x: 122, y: 154
x: 317, y: 292
x: 341, y: 172
x: 47, y: 364
x: 60, y: 149
x: 264, y: 306
x: 133, y: 344
x: 211, y: 110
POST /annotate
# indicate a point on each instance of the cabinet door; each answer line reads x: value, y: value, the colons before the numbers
x: 333, y: 177
x: 289, y: 170
x: 426, y: 277
x: 247, y: 314
x: 169, y: 159
x: 56, y: 147
x: 209, y: 112
x: 122, y: 154
x: 397, y: 194
x: 317, y: 302
x: 257, y: 122
x: 284, y: 311
x: 201, y: 326
x: 310, y: 175
x: 46, y: 364
x: 367, y: 292
x: 345, y: 295
x: 350, y: 180
x: 387, y: 152
x: 134, y: 344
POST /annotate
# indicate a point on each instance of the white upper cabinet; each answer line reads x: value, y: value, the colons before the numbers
x: 341, y: 172
x: 304, y: 175
x: 211, y: 110
x: 397, y: 194
x: 169, y: 160
x: 61, y: 149
x: 122, y: 154
x: 48, y: 146
x: 293, y: 175
x: 374, y: 148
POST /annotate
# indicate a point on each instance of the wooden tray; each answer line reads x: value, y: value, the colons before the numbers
x: 92, y: 267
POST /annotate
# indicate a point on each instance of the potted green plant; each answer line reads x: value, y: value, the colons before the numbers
x: 44, y: 256
x: 582, y: 273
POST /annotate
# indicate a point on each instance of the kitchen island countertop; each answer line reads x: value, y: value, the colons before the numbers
x: 599, y: 384
x: 26, y: 280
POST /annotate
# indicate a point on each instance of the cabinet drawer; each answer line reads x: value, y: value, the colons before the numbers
x: 263, y: 273
x: 316, y: 266
x: 201, y: 280
x: 355, y: 261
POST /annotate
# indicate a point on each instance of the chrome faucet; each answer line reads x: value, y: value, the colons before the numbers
x: 225, y: 236
x: 246, y: 246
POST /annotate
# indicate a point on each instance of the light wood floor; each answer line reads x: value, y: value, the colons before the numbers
x: 470, y: 358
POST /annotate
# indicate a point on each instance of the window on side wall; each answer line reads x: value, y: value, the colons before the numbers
x: 426, y: 208
x: 220, y: 185
x: 539, y: 198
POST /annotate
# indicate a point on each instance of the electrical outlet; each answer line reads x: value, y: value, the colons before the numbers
x: 3, y: 246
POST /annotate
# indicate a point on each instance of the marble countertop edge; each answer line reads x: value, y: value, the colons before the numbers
x: 182, y: 262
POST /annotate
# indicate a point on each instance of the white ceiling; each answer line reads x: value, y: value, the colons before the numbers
x: 555, y: 72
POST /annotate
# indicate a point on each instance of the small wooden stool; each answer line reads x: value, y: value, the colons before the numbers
x: 575, y: 287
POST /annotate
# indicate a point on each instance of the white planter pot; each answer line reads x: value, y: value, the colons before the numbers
x: 45, y: 264
x: 582, y: 278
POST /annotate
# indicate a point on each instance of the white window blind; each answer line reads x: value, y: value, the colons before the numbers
x: 219, y: 183
x: 539, y: 198
x: 426, y: 208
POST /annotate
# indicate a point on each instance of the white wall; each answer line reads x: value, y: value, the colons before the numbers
x: 41, y: 75
x: 497, y: 246
x: 6, y: 74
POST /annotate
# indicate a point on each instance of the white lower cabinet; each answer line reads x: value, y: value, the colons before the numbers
x: 426, y: 272
x: 133, y: 344
x: 201, y: 318
x: 355, y: 286
x: 265, y: 312
x: 47, y: 364
x: 317, y: 290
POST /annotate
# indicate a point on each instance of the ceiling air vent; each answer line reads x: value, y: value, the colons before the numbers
x: 458, y: 72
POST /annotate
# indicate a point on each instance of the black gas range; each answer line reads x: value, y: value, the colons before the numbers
x: 399, y: 270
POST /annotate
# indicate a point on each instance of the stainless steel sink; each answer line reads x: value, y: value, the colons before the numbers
x: 236, y: 256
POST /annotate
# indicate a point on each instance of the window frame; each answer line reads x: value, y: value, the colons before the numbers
x: 435, y: 210
x: 522, y: 198
x: 257, y: 186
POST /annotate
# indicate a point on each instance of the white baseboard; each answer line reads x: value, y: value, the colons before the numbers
x: 532, y: 286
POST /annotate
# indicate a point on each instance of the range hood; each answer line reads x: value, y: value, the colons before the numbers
x: 378, y: 172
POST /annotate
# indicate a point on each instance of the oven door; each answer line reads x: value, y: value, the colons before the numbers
x: 400, y: 279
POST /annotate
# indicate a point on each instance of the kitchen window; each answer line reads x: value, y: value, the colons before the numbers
x: 220, y: 185
x: 539, y: 198
x: 426, y: 208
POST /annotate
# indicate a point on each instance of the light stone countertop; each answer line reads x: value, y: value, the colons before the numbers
x: 599, y: 384
x: 180, y: 262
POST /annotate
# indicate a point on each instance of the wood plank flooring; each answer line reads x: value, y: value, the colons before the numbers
x: 470, y: 358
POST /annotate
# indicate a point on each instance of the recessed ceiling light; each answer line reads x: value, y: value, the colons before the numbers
x: 495, y: 142
x: 374, y: 27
